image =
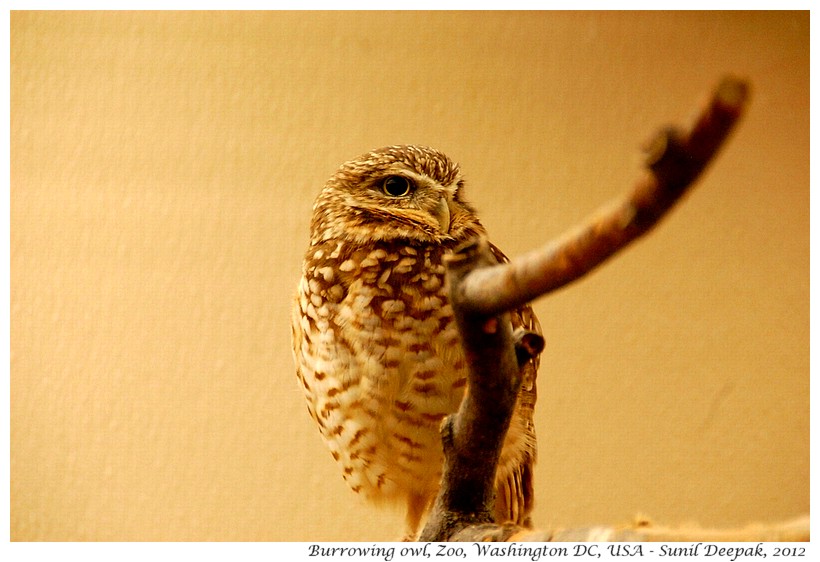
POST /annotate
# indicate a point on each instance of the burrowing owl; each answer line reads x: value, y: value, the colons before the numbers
x: 376, y: 347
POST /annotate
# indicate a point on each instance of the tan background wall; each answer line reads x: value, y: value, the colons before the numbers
x: 163, y: 168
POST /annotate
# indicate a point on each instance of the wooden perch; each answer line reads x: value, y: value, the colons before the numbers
x: 482, y: 292
x: 473, y: 437
x: 675, y: 159
x: 795, y: 530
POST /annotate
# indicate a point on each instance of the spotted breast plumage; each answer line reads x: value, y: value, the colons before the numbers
x: 376, y: 347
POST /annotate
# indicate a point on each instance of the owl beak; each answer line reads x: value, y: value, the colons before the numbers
x: 442, y: 214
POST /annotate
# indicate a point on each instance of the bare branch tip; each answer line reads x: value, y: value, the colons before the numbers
x: 732, y: 92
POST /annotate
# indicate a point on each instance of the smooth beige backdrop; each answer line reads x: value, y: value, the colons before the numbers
x: 163, y: 167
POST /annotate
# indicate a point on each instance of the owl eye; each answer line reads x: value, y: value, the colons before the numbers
x: 397, y: 186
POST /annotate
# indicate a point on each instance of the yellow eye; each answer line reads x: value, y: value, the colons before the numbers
x: 397, y: 186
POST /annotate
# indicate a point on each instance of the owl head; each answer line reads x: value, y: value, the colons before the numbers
x: 397, y: 193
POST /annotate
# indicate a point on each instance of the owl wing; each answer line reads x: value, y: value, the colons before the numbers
x: 514, y: 478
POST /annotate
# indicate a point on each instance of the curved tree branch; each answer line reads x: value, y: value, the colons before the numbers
x: 482, y: 291
x: 675, y: 160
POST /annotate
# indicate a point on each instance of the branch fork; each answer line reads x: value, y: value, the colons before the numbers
x: 483, y: 291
